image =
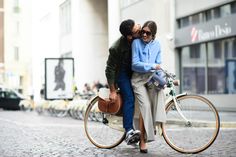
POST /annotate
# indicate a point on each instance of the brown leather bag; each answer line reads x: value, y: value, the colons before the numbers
x: 106, y: 106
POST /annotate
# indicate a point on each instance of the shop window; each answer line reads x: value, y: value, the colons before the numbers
x: 234, y: 49
x: 226, y: 49
x: 215, y: 68
x: 231, y: 76
x: 217, y: 50
x: 216, y: 80
x: 194, y: 79
x: 195, y: 51
x: 193, y: 68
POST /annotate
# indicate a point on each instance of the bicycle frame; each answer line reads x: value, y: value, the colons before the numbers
x: 173, y: 95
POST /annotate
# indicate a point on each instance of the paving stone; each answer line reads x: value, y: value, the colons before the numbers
x: 24, y: 134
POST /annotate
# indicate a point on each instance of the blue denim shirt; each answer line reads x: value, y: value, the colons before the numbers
x: 145, y: 56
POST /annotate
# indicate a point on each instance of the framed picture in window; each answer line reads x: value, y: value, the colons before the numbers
x: 59, y: 74
x: 230, y: 76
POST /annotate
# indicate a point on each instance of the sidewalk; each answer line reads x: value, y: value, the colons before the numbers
x: 227, y: 119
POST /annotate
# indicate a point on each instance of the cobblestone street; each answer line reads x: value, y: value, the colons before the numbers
x: 29, y: 134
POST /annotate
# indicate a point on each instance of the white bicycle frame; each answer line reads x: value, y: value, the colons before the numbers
x: 174, y: 98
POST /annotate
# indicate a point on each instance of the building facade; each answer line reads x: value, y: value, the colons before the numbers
x: 17, y: 46
x: 198, y: 43
x: 205, y: 43
x: 1, y: 41
x: 70, y: 28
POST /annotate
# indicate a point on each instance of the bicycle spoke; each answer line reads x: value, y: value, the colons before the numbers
x: 202, y: 121
x: 103, y: 130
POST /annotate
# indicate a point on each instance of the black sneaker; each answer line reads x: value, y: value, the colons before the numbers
x: 132, y: 137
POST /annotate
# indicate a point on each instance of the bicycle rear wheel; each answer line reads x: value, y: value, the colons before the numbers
x: 103, y: 130
x: 196, y: 134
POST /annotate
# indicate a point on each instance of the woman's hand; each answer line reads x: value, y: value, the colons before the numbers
x: 158, y: 67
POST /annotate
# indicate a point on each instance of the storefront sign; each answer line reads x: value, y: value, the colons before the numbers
x: 216, y: 32
x: 206, y: 31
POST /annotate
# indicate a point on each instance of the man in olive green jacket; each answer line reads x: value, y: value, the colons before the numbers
x: 118, y: 72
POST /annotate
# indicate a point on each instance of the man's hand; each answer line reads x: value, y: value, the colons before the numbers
x: 113, y: 96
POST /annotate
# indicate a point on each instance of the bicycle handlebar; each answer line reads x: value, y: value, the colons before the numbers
x: 172, y: 76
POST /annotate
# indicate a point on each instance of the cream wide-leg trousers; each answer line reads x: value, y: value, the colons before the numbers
x: 151, y: 104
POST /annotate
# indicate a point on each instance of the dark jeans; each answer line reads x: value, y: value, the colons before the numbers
x: 126, y: 90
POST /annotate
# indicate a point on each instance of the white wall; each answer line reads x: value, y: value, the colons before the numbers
x: 17, y: 31
x: 45, y: 37
x: 90, y: 41
x: 114, y: 21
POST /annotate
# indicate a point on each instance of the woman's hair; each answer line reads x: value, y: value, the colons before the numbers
x: 152, y: 26
x: 126, y: 27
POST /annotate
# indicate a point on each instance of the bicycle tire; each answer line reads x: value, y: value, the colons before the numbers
x: 183, y: 136
x: 107, y: 133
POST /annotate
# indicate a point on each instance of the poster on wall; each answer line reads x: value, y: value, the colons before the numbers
x: 231, y: 76
x: 59, y: 74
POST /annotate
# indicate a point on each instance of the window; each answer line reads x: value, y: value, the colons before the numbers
x: 233, y: 7
x: 2, y: 95
x: 215, y: 68
x: 16, y: 8
x: 195, y: 51
x: 226, y: 49
x: 234, y: 49
x: 65, y: 17
x: 1, y: 3
x: 216, y: 13
x: 203, y: 66
x: 225, y: 10
x: 208, y: 15
x: 194, y: 68
x: 11, y: 95
x: 184, y: 22
x: 217, y: 50
x: 16, y: 53
x: 21, y: 80
x: 195, y: 19
x: 229, y: 48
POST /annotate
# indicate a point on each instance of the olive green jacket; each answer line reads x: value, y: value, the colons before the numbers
x: 119, y: 53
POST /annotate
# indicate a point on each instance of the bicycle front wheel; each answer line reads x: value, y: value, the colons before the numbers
x: 102, y: 129
x: 197, y: 131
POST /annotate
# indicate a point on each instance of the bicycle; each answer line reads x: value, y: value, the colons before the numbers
x: 188, y: 117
